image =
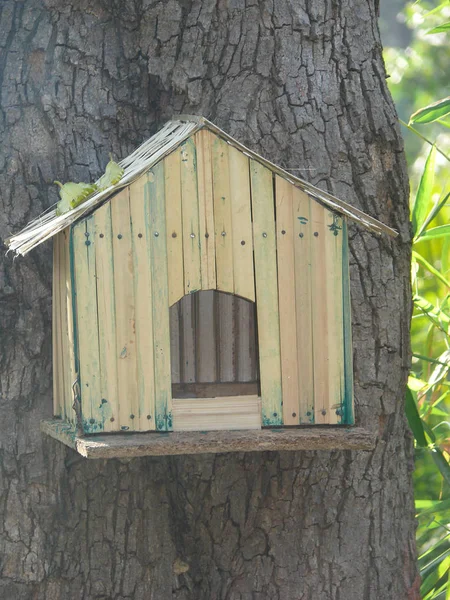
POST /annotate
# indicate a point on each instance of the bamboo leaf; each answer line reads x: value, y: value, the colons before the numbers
x: 420, y: 259
x: 439, y: 29
x: 432, y: 112
x: 436, y: 232
x: 414, y: 420
x: 433, y: 214
x: 423, y: 197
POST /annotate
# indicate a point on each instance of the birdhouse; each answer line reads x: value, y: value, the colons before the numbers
x: 205, y: 296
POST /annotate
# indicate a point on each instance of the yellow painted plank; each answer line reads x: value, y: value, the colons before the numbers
x: 319, y: 291
x: 266, y: 293
x: 64, y: 382
x: 302, y: 236
x: 286, y: 297
x: 203, y: 141
x: 174, y: 227
x: 175, y: 358
x: 106, y: 317
x: 87, y: 326
x: 143, y: 294
x: 156, y: 234
x: 58, y: 376
x: 336, y: 374
x: 69, y: 361
x: 222, y: 216
x: 190, y: 215
x: 125, y: 312
x: 244, y: 280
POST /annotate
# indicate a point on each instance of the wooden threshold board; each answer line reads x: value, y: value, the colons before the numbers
x: 215, y: 414
x: 130, y: 445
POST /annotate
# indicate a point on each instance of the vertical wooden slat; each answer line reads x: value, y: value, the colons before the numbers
x: 222, y: 216
x: 63, y: 349
x: 69, y: 359
x: 58, y: 365
x: 348, y: 408
x: 156, y: 234
x: 206, y: 337
x: 143, y: 294
x: 191, y: 225
x: 188, y: 358
x: 106, y: 316
x: 203, y: 140
x: 174, y: 227
x: 125, y: 312
x: 175, y: 351
x: 244, y: 281
x: 226, y: 337
x: 286, y: 297
x: 245, y: 342
x: 319, y: 292
x: 333, y: 252
x: 87, y: 326
x: 266, y: 293
x: 302, y: 236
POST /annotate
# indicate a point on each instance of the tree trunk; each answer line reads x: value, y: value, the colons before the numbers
x: 303, y: 83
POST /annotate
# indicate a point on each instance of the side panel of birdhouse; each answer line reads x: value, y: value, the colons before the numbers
x: 314, y: 305
x: 122, y: 310
x: 63, y: 336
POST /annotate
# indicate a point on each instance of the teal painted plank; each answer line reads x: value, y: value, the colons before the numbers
x: 266, y: 293
x: 156, y: 236
x: 87, y: 325
x: 348, y: 417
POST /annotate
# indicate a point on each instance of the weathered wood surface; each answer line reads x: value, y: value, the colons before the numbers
x: 263, y: 440
x: 303, y: 84
x: 214, y: 414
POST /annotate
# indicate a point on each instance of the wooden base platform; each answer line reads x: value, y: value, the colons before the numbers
x: 129, y: 445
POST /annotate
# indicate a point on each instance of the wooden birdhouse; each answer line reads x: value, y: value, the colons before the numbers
x: 206, y: 296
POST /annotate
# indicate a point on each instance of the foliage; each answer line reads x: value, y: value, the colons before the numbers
x: 422, y: 65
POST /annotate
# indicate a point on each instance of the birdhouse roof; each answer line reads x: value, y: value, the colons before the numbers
x: 148, y: 154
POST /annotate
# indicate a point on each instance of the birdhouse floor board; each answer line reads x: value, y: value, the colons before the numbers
x: 123, y: 445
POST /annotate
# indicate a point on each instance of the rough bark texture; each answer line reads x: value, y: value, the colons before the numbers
x: 302, y: 82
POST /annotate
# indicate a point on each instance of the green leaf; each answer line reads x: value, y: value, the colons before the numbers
x: 113, y: 174
x: 434, y: 507
x: 433, y: 213
x: 436, y: 232
x: 423, y: 196
x: 414, y: 420
x: 420, y: 259
x: 440, y: 28
x: 432, y: 112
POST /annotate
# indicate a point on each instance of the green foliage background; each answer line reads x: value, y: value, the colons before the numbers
x: 419, y: 69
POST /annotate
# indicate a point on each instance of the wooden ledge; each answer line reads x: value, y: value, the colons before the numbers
x: 129, y: 445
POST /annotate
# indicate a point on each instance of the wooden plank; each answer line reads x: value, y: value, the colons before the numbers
x: 143, y: 294
x: 286, y: 299
x: 212, y: 414
x: 266, y: 293
x: 175, y: 351
x: 126, y: 359
x: 247, y: 368
x: 348, y: 407
x: 242, y: 239
x: 106, y: 316
x: 116, y: 445
x: 63, y: 346
x: 58, y: 368
x: 87, y: 325
x: 156, y: 233
x: 206, y: 359
x: 203, y: 141
x: 222, y: 217
x: 190, y: 215
x: 174, y: 226
x: 333, y: 253
x: 303, y: 303
x: 319, y: 291
x: 226, y: 336
x: 69, y: 336
x: 214, y: 390
x: 187, y: 338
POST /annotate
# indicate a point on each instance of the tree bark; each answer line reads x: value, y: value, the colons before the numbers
x: 303, y: 83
